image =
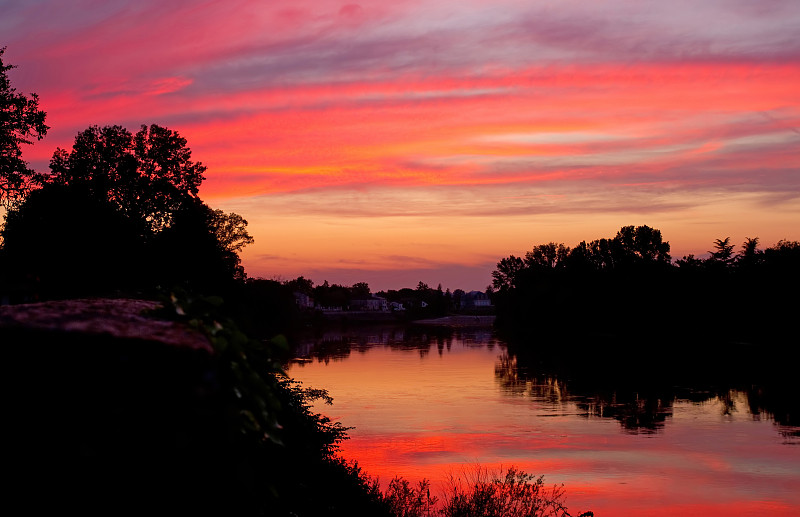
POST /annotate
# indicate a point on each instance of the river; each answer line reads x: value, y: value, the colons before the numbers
x: 426, y: 404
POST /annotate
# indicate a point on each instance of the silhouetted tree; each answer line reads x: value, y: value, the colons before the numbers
x: 549, y: 255
x: 230, y: 230
x: 750, y: 254
x: 301, y: 284
x: 642, y: 244
x: 189, y: 252
x: 21, y: 121
x: 504, y: 277
x: 783, y: 256
x: 601, y: 254
x: 457, y: 295
x: 332, y: 295
x: 723, y: 252
x: 62, y: 240
x: 123, y: 212
x: 149, y: 176
x: 360, y: 290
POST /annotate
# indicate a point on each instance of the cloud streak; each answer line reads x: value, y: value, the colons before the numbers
x: 500, y: 112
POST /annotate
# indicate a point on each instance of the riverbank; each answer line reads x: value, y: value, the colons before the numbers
x: 114, y: 409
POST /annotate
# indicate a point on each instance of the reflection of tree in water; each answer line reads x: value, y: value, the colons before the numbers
x: 636, y: 411
x: 781, y: 404
x: 335, y: 344
x: 640, y: 405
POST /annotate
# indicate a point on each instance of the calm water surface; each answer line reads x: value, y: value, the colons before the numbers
x: 425, y: 406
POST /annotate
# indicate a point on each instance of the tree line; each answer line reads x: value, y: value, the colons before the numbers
x: 628, y: 285
x: 419, y: 302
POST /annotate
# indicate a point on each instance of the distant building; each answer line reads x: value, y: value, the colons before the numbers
x: 374, y: 303
x: 475, y: 299
x: 303, y: 300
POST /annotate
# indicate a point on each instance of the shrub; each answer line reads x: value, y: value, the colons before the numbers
x: 480, y: 493
x: 517, y: 494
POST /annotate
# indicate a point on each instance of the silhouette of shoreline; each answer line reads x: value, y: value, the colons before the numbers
x: 457, y: 320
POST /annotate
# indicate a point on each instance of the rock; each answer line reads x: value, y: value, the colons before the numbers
x: 109, y: 411
x: 118, y: 318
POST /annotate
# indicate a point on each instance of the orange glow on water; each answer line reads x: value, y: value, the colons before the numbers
x: 432, y: 411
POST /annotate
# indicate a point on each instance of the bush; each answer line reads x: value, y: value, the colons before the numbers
x: 517, y: 494
x: 480, y: 493
x: 403, y: 500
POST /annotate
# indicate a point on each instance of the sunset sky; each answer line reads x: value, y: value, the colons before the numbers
x: 393, y: 142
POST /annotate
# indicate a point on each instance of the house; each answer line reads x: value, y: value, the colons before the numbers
x: 474, y: 299
x: 373, y: 304
x: 303, y: 300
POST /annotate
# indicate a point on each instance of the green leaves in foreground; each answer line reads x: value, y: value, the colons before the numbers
x: 252, y: 366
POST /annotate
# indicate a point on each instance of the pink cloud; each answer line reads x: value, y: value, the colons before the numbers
x: 609, y: 110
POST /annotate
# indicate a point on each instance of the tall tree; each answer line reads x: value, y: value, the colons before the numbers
x: 21, y: 121
x: 231, y: 231
x: 548, y: 255
x: 723, y: 251
x: 129, y: 206
x: 641, y: 244
x: 360, y: 290
x: 504, y: 277
x: 150, y: 176
x: 750, y: 254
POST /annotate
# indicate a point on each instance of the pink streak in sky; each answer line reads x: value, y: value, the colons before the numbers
x: 537, y: 121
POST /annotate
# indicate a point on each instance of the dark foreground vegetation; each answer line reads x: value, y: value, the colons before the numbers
x: 112, y: 426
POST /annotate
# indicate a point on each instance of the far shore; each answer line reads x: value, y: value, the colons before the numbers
x: 459, y: 321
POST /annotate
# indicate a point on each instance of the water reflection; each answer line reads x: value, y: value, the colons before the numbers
x: 588, y: 387
x: 336, y: 344
x: 636, y: 412
x: 424, y: 402
x: 644, y: 406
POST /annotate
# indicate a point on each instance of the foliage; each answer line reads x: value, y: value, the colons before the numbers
x: 549, y: 255
x: 642, y: 244
x: 633, y: 248
x: 190, y: 252
x: 505, y: 276
x: 149, y: 176
x: 750, y: 251
x: 332, y: 295
x: 252, y: 364
x: 360, y: 290
x: 69, y: 242
x: 516, y: 494
x: 127, y: 209
x: 300, y: 284
x: 723, y: 251
x: 21, y: 121
x: 784, y: 254
x: 626, y: 286
x: 479, y: 493
x: 264, y: 307
x: 405, y: 500
x: 61, y: 241
x: 283, y: 452
x: 230, y: 230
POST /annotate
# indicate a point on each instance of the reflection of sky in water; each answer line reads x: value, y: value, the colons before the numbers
x: 425, y: 410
